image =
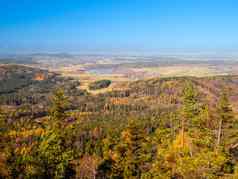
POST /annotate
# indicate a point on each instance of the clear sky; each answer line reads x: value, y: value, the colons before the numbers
x: 117, y: 25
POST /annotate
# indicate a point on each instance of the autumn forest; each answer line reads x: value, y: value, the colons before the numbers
x: 180, y: 128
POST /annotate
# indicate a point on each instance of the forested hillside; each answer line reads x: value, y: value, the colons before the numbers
x: 27, y: 89
x: 180, y: 128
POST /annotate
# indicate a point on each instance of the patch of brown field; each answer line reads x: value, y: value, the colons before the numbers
x: 40, y: 77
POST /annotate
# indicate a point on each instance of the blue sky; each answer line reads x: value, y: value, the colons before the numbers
x: 117, y: 25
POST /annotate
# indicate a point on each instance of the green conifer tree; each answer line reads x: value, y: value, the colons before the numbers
x: 227, y: 125
x: 59, y: 104
x: 132, y: 153
x: 190, y: 109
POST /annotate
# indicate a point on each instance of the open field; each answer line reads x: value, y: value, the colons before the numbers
x: 180, y: 70
x: 123, y: 73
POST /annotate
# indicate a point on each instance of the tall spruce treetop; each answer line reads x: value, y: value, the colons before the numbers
x: 2, y: 120
x: 190, y: 107
x: 132, y: 152
x: 227, y: 125
x: 224, y: 108
x: 190, y: 101
x: 59, y: 105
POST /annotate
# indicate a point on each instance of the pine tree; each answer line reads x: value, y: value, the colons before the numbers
x: 190, y: 108
x: 131, y: 155
x: 53, y: 156
x: 2, y: 120
x: 227, y: 125
x: 3, y: 127
x: 59, y: 105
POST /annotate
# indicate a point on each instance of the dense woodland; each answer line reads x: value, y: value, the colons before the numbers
x: 175, y: 128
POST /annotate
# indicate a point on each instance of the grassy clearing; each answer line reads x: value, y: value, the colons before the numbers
x: 181, y: 70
